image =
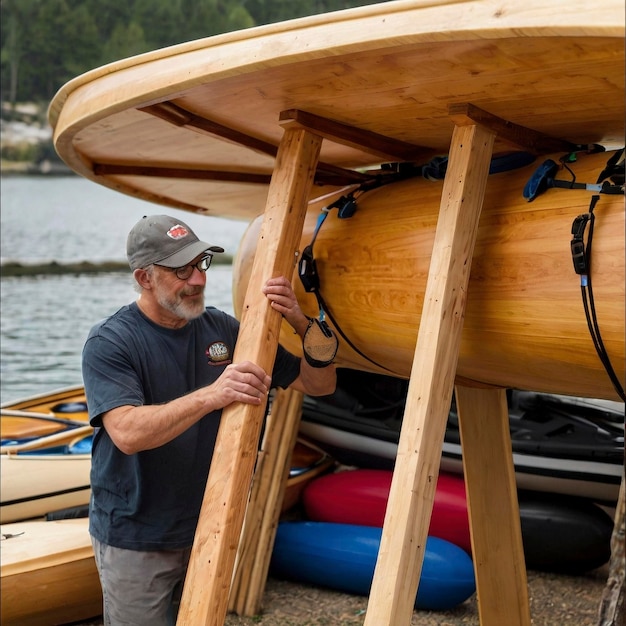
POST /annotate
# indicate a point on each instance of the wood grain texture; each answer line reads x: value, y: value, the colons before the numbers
x: 405, y: 529
x: 264, y: 508
x: 48, y: 573
x: 495, y: 527
x: 209, y: 576
x: 525, y: 325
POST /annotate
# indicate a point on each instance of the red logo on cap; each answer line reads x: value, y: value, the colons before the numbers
x: 177, y: 232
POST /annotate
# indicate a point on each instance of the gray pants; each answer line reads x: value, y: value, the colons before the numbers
x: 140, y: 588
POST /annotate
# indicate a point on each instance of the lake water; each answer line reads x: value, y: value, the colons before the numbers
x: 44, y: 320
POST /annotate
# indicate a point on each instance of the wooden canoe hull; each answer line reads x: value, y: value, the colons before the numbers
x: 40, y: 483
x: 43, y: 414
x: 50, y: 478
x: 48, y: 573
x: 525, y: 325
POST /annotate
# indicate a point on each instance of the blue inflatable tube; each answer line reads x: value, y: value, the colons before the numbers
x: 343, y: 557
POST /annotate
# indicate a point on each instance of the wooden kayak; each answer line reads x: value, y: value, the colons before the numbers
x: 48, y: 573
x: 46, y: 454
x: 45, y: 480
x: 46, y: 457
x: 42, y: 414
x: 525, y: 325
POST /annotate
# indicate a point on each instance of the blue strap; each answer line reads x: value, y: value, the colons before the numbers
x: 538, y: 182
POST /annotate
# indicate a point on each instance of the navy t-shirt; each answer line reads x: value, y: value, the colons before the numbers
x: 151, y: 500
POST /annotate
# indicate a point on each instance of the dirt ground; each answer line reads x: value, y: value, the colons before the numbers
x: 555, y: 600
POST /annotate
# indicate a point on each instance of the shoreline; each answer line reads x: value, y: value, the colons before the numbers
x: 54, y: 268
x: 28, y: 168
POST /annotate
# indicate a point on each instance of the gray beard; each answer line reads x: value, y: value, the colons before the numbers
x: 183, y: 309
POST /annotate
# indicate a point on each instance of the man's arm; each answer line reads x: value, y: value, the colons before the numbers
x: 137, y: 428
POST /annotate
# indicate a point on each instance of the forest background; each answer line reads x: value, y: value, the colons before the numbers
x: 45, y: 43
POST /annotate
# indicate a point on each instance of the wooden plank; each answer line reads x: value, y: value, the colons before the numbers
x: 129, y: 169
x: 612, y: 611
x: 414, y: 480
x: 263, y: 512
x: 532, y: 140
x: 375, y: 143
x: 208, y: 581
x: 497, y: 548
x: 177, y: 115
x: 327, y: 173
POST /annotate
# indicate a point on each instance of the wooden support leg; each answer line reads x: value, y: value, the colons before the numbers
x: 414, y: 480
x: 612, y: 610
x: 208, y: 581
x: 497, y: 548
x: 266, y: 498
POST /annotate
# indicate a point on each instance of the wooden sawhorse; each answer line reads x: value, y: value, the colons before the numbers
x: 483, y: 415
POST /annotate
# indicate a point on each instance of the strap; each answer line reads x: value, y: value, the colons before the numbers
x: 581, y: 256
x: 309, y: 277
x: 543, y: 179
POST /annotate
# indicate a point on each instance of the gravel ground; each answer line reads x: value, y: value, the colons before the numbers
x: 555, y: 600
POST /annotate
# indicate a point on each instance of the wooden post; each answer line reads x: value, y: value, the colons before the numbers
x: 612, y: 611
x: 208, y: 581
x: 497, y: 548
x: 266, y: 498
x: 409, y: 508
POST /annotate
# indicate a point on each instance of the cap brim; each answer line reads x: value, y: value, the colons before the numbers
x: 188, y: 254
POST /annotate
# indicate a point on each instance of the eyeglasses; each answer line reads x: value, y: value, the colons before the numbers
x: 185, y: 272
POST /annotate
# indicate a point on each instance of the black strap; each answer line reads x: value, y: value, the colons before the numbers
x: 324, y: 307
x: 581, y: 256
x: 309, y: 277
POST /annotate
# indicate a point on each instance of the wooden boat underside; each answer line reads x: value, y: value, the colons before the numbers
x: 197, y: 126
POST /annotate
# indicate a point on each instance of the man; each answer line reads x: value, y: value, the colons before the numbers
x: 157, y: 375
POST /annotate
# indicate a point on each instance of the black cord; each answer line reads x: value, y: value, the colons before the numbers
x: 590, y: 308
x: 324, y: 307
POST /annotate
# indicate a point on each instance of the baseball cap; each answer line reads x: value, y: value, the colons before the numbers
x: 164, y: 240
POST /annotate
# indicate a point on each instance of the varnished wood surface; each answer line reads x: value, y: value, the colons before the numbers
x: 391, y: 70
x: 524, y: 326
x: 501, y: 582
x: 209, y: 575
x: 412, y: 493
x: 42, y: 415
x: 48, y: 573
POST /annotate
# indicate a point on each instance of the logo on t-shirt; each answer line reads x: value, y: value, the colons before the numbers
x: 218, y: 353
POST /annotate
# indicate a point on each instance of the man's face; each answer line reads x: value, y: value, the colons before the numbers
x: 182, y: 298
